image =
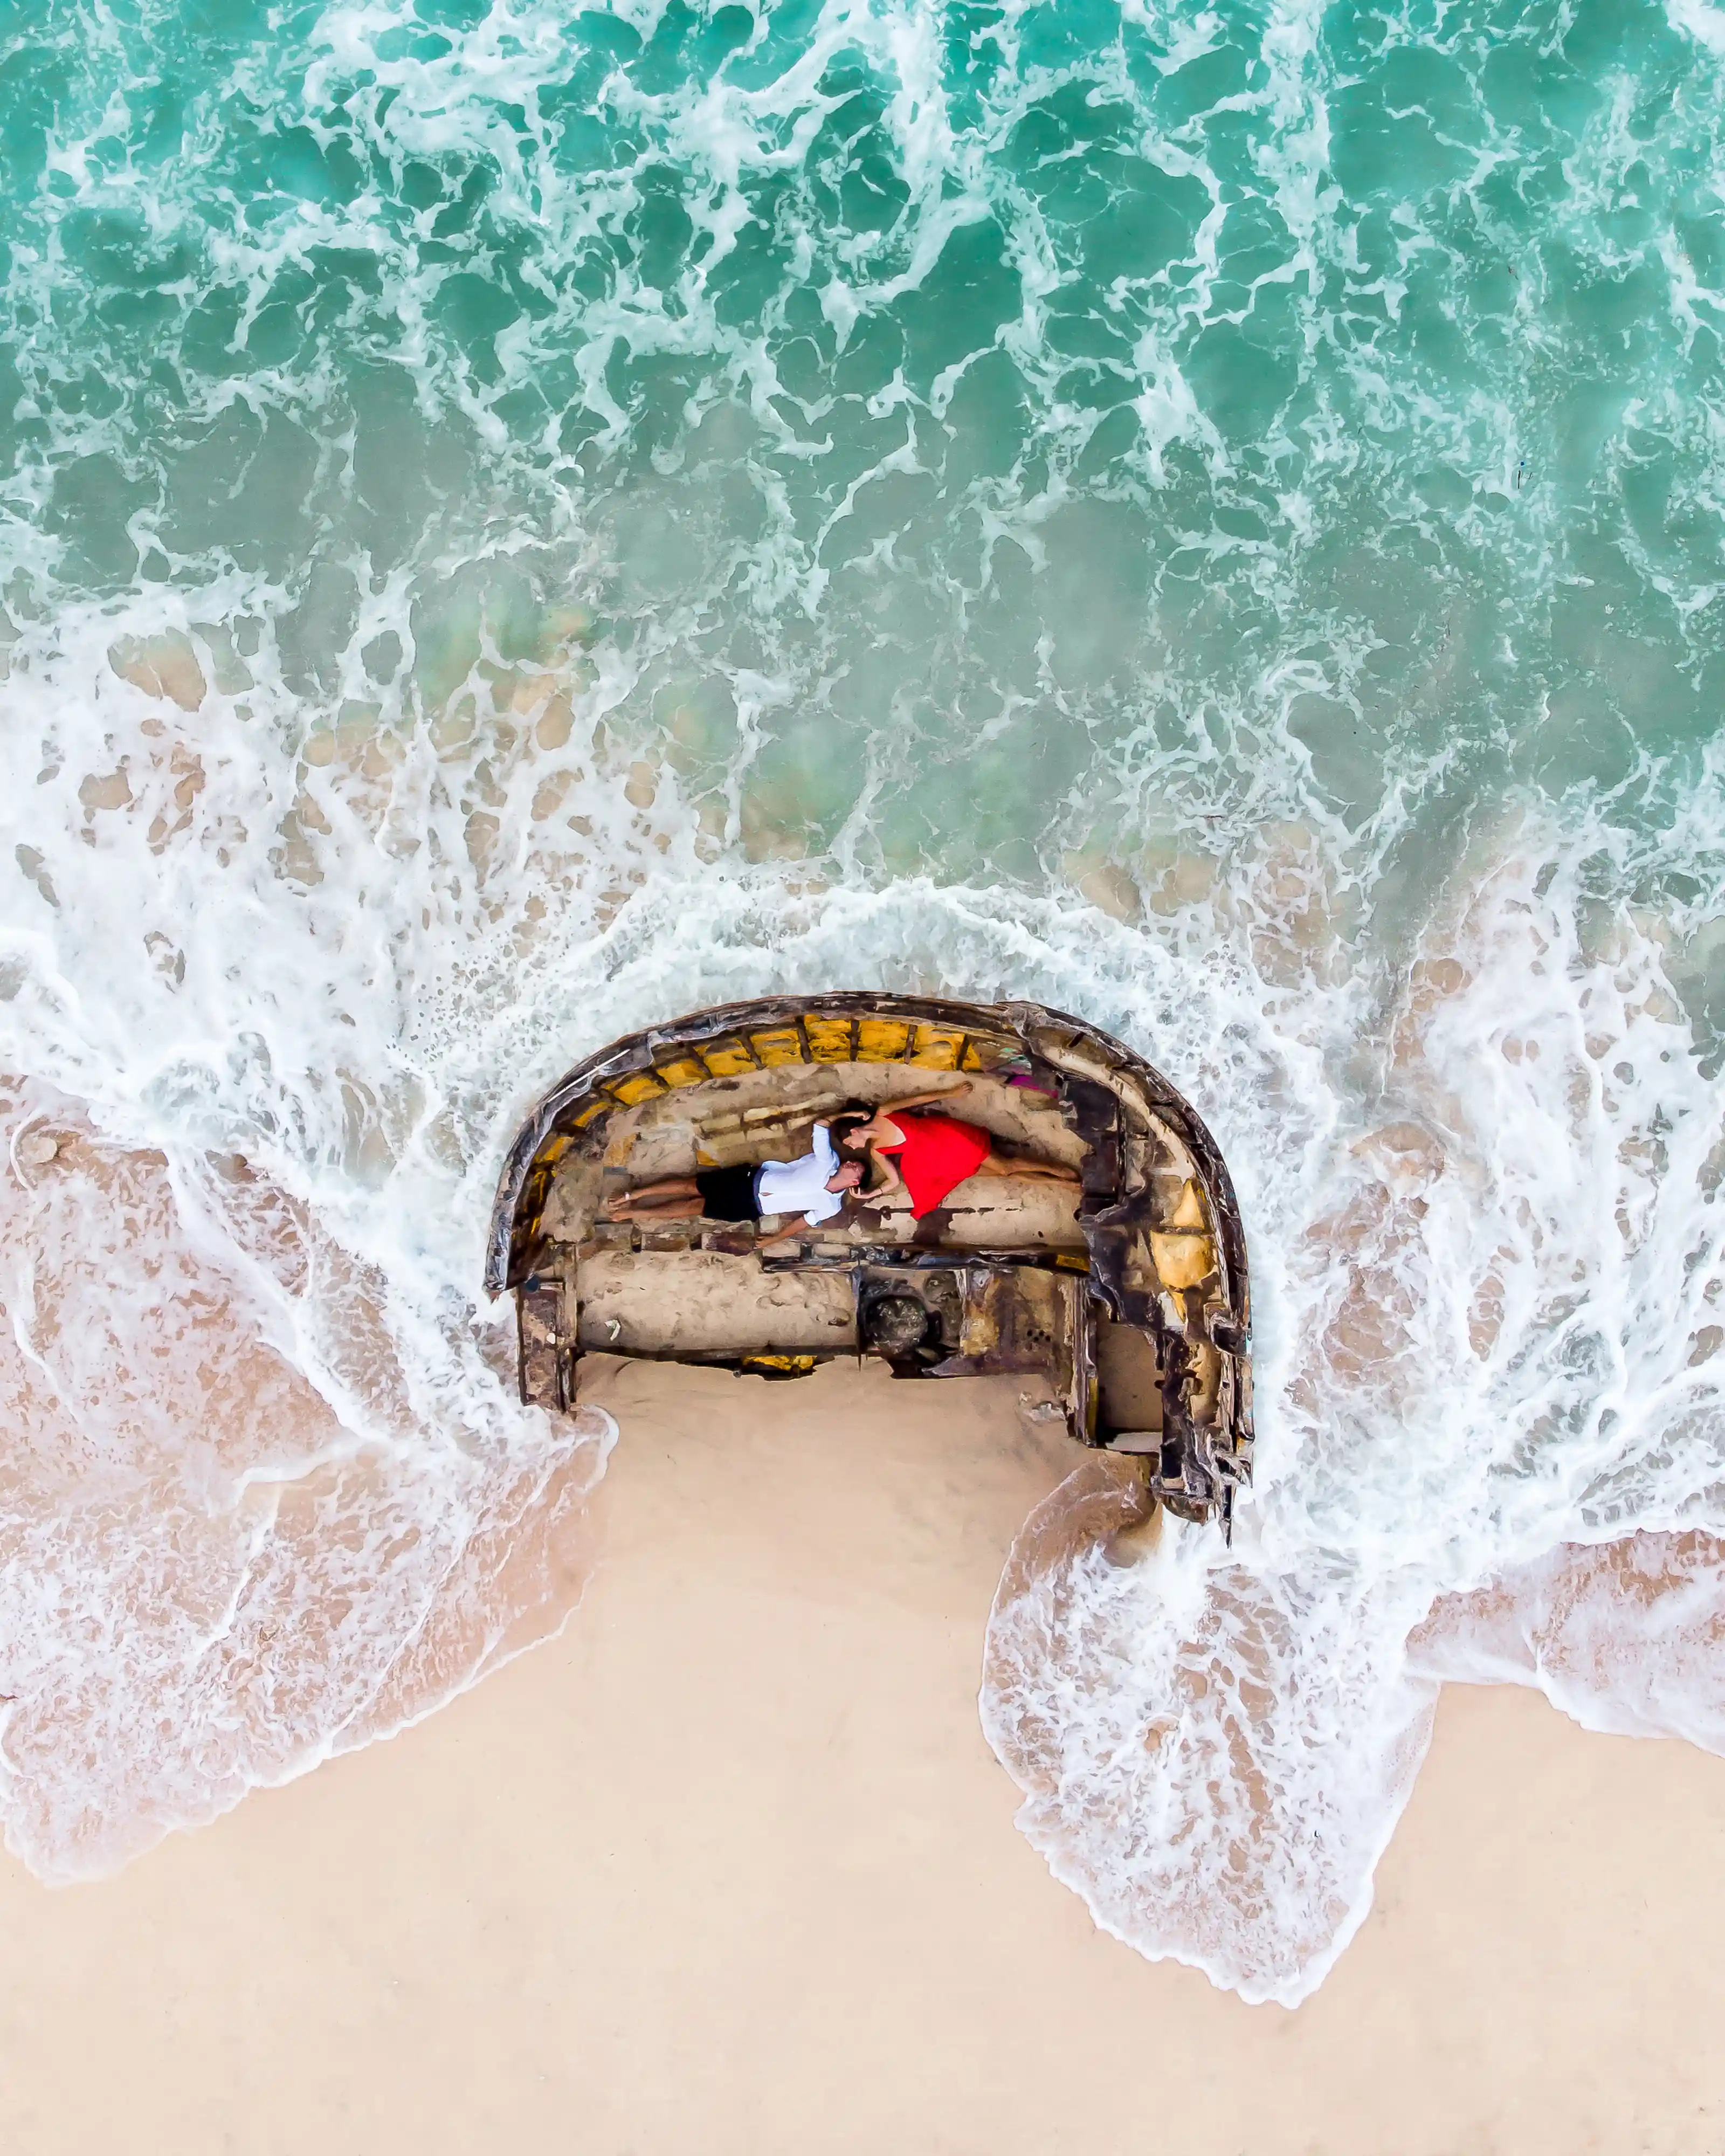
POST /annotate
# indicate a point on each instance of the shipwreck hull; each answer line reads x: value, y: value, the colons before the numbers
x: 1128, y: 1297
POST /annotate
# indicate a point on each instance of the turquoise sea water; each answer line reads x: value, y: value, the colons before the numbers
x: 514, y: 522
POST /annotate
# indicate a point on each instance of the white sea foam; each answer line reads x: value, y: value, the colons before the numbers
x: 1492, y: 1399
x: 1479, y: 1186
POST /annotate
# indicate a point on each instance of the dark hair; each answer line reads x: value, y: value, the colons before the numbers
x: 846, y: 1119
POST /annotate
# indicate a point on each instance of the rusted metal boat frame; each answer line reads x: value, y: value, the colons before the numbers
x: 1164, y: 1249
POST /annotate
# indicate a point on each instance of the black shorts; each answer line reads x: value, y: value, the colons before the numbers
x: 728, y: 1194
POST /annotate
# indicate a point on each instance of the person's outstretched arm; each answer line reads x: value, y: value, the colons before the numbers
x: 923, y: 1100
x: 894, y: 1185
x: 794, y: 1226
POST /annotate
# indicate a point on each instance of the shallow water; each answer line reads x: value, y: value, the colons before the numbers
x: 515, y: 523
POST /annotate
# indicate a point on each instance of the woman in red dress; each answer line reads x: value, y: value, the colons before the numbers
x: 934, y: 1153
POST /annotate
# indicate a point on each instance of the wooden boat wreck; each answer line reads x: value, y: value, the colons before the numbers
x: 1125, y: 1296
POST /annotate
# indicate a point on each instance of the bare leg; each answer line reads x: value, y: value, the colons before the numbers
x: 667, y: 1208
x: 650, y: 1197
x: 1051, y: 1171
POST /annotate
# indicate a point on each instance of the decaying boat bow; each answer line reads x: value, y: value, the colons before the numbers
x: 1127, y: 1296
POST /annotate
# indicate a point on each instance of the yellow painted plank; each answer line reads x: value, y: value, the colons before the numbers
x: 1182, y: 1261
x: 598, y: 1105
x: 555, y: 1147
x: 881, y: 1039
x: 681, y: 1070
x: 725, y: 1059
x: 1189, y: 1211
x: 981, y: 1054
x: 829, y: 1039
x: 777, y: 1044
x: 780, y: 1366
x: 641, y: 1085
x: 935, y: 1048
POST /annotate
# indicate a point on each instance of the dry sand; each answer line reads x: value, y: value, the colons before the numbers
x: 728, y: 1868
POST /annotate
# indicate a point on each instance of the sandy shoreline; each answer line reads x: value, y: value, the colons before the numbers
x: 728, y: 1866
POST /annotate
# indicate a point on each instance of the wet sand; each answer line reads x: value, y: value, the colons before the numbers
x: 728, y: 1868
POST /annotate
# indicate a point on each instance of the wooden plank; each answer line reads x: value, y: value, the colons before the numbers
x: 829, y: 1039
x: 992, y: 1050
x: 680, y: 1070
x: 728, y: 1058
x: 777, y: 1045
x: 639, y: 1085
x: 536, y: 1323
x: 881, y: 1039
x: 1182, y: 1261
x: 935, y: 1048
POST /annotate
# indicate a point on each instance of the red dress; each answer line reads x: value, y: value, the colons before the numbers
x: 936, y: 1154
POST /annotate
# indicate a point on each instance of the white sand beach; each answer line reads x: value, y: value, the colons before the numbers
x: 728, y: 1868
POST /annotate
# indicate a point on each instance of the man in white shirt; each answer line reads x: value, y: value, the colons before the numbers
x: 808, y: 1190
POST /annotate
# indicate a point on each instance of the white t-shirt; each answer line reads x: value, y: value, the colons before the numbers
x: 800, y: 1186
